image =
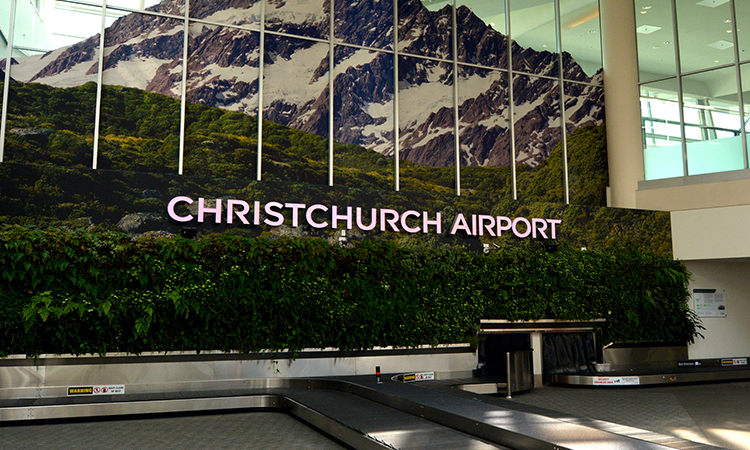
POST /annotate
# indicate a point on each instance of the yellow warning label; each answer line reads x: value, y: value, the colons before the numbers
x: 81, y: 390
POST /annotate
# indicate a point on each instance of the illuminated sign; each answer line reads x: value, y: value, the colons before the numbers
x: 383, y: 219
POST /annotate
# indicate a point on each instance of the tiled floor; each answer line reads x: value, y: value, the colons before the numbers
x: 256, y: 430
x: 716, y: 413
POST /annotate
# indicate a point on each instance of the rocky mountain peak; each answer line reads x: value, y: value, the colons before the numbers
x: 224, y: 64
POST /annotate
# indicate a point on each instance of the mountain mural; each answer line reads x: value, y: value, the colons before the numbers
x: 146, y: 52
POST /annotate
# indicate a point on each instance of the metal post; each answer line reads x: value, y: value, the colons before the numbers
x: 396, y: 131
x: 331, y: 64
x: 99, y: 82
x: 261, y: 63
x: 507, y: 373
x: 183, y: 88
x: 511, y: 103
x: 456, y: 129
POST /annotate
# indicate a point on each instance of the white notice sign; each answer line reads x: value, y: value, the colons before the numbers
x: 710, y: 302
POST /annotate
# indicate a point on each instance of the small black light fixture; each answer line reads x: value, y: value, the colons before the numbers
x: 188, y: 233
x: 551, y: 246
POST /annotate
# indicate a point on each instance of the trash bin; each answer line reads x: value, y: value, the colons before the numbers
x: 494, y: 350
x: 521, y: 370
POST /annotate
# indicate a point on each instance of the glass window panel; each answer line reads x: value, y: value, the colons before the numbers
x: 4, y: 27
x: 298, y: 153
x: 655, y: 36
x: 222, y: 93
x: 482, y: 33
x: 51, y: 109
x: 234, y: 12
x: 367, y: 22
x: 138, y: 5
x: 587, y: 144
x: 363, y: 94
x: 308, y: 18
x: 68, y: 22
x: 532, y: 27
x: 712, y: 122
x: 426, y: 127
x: 581, y: 39
x: 706, y: 34
x: 140, y: 119
x: 425, y: 28
x: 742, y: 11
x: 538, y: 131
x: 484, y: 132
x: 662, y: 135
x: 745, y: 77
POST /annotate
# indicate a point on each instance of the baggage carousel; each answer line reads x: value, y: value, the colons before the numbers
x: 697, y: 371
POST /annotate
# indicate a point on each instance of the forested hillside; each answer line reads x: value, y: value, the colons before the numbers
x: 49, y: 180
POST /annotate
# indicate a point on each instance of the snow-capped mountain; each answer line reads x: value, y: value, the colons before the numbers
x: 146, y: 52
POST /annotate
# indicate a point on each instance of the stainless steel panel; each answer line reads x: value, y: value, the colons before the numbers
x: 21, y: 377
x: 674, y: 378
x: 160, y: 373
x: 142, y: 407
x: 642, y: 357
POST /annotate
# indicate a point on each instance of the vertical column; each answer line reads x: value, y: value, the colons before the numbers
x: 622, y: 104
x: 396, y: 136
x: 536, y: 345
x: 331, y: 75
x: 456, y: 130
x: 99, y: 81
x: 6, y: 81
x: 183, y: 87
x: 261, y: 63
x: 563, y: 119
x: 511, y: 102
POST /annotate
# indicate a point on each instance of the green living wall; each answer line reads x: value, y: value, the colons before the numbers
x: 75, y: 292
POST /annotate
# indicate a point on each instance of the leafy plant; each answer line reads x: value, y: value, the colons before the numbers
x: 76, y: 292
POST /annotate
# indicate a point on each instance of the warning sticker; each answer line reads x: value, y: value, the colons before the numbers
x: 734, y: 362
x: 420, y: 376
x: 118, y: 389
x: 81, y: 390
x: 617, y: 381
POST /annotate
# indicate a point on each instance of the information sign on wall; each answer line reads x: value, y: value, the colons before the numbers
x: 710, y: 302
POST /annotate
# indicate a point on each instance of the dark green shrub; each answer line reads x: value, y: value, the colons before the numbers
x: 74, y: 292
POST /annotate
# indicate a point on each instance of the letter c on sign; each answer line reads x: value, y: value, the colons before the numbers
x: 173, y: 215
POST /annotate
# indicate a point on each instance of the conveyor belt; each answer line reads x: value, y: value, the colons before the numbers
x: 362, y: 414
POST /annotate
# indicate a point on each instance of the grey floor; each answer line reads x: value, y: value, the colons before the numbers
x: 716, y: 414
x: 255, y: 430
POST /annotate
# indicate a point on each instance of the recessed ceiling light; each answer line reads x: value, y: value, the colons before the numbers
x: 644, y: 12
x: 712, y: 3
x: 721, y: 44
x: 729, y: 31
x: 667, y: 42
x: 646, y: 7
x: 728, y: 21
x: 647, y: 29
